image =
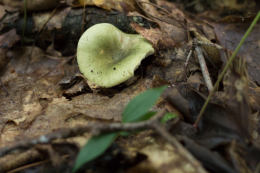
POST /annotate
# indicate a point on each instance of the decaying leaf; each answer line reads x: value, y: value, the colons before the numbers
x: 171, y: 22
x: 37, y: 106
x: 7, y: 40
x: 229, y: 36
x: 35, y: 102
x: 160, y: 156
x: 119, y: 5
x: 49, y: 21
x: 31, y: 5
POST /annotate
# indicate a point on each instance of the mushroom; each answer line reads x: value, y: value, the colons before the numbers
x: 107, y: 57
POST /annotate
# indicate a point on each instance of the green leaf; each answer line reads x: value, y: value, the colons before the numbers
x: 136, y: 110
x: 96, y: 146
x: 167, y: 117
x: 141, y: 104
x: 145, y: 116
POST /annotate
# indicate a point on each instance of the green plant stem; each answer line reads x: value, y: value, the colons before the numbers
x: 230, y: 60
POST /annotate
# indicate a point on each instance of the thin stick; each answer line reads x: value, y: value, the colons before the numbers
x: 153, y: 123
x: 179, y: 148
x: 188, y: 58
x: 210, y: 44
x: 94, y: 128
x: 28, y: 166
x: 204, y: 68
x: 226, y: 68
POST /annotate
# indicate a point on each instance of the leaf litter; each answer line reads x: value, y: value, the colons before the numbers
x: 34, y: 103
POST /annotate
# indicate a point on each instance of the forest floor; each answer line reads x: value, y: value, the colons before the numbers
x: 46, y: 103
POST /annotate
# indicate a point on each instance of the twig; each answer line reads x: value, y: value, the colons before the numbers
x: 179, y: 148
x: 22, y: 168
x: 15, y: 161
x: 156, y: 6
x: 94, y: 128
x: 188, y: 58
x: 47, y: 21
x: 226, y: 68
x: 210, y: 44
x: 147, y: 13
x: 204, y: 68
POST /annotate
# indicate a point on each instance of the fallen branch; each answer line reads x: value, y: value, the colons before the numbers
x: 94, y: 128
x: 97, y: 128
x: 179, y: 148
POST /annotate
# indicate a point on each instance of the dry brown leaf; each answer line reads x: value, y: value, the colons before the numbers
x: 119, y: 5
x: 7, y: 40
x: 2, y: 11
x: 24, y: 90
x: 51, y: 21
x: 213, y: 53
x: 161, y: 156
x: 32, y: 5
x: 171, y: 22
x: 229, y: 36
x: 152, y: 34
x: 32, y: 104
x: 233, y: 5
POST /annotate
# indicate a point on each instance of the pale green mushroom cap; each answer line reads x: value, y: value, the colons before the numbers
x: 108, y: 57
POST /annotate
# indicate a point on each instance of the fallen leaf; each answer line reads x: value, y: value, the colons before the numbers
x: 119, y: 5
x: 7, y: 40
x: 229, y: 36
x: 32, y: 5
x: 171, y: 22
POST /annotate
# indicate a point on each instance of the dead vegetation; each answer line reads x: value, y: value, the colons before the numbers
x: 43, y: 95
